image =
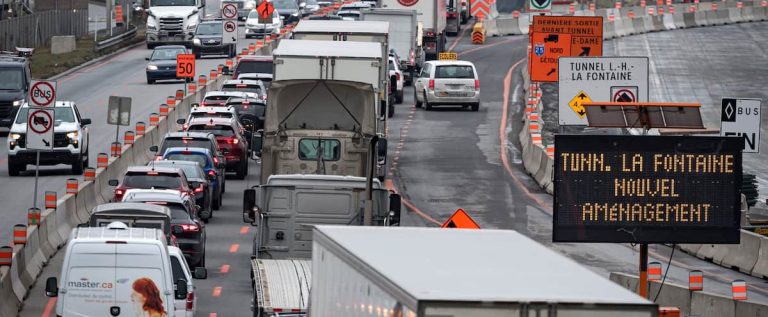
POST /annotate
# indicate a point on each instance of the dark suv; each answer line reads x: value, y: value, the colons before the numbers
x: 15, y: 77
x: 209, y: 40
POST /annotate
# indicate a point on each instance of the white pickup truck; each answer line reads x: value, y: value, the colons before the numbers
x: 173, y: 21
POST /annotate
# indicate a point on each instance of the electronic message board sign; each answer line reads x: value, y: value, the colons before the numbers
x: 647, y: 189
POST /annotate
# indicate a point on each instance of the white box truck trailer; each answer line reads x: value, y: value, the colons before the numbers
x: 403, y: 40
x: 432, y: 16
x: 426, y: 272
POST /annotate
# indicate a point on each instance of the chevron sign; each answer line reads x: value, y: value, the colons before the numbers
x: 480, y: 8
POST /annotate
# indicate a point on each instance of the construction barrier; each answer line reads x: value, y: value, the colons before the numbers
x: 478, y: 33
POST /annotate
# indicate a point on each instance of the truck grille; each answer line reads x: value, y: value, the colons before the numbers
x: 59, y: 140
x: 5, y: 109
x: 211, y: 42
x: 172, y: 25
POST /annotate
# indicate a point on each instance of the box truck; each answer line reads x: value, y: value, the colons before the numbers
x: 403, y: 28
x: 432, y: 16
x: 321, y: 116
x: 284, y: 210
x: 424, y: 272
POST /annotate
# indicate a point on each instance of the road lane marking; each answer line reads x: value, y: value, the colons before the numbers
x: 224, y: 269
x: 49, y: 307
x: 244, y: 229
x: 233, y: 248
x: 216, y: 291
x: 212, y: 315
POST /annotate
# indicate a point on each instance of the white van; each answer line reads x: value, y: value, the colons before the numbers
x: 116, y: 271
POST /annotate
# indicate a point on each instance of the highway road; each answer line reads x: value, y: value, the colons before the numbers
x: 440, y: 160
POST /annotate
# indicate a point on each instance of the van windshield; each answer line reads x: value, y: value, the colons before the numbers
x: 11, y: 79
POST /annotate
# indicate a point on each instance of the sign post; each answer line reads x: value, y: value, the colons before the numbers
x: 741, y: 117
x: 40, y: 122
x: 119, y: 113
x: 587, y: 79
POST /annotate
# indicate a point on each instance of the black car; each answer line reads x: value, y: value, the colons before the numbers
x: 15, y: 77
x: 209, y: 40
x: 250, y: 113
x: 162, y: 63
x: 204, y: 140
x: 185, y: 224
x: 198, y: 180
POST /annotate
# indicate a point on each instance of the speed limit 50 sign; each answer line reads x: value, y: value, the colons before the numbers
x: 185, y: 65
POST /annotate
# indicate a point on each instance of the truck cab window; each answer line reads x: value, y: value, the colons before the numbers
x: 311, y: 149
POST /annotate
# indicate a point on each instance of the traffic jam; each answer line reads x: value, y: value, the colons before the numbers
x: 305, y: 119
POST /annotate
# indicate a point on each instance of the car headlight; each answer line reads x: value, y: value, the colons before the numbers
x: 151, y: 67
x: 151, y: 22
x: 14, y: 136
x: 295, y: 14
x: 17, y: 103
x: 196, y: 41
x: 72, y: 135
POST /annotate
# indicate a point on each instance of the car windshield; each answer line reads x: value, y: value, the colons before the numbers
x: 262, y: 67
x: 11, y: 79
x: 156, y: 180
x: 209, y: 29
x: 60, y: 114
x: 218, y: 130
x: 172, y: 3
x: 242, y: 87
x: 191, y: 157
x: 186, y: 142
x: 178, y: 212
x: 190, y: 171
x: 166, y: 53
x: 454, y: 71
x: 285, y: 4
x: 216, y: 98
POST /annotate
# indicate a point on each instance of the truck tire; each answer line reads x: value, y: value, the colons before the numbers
x: 475, y: 107
x: 77, y: 165
x: 13, y: 168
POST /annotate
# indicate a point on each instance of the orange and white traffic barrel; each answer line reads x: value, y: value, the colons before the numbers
x: 33, y: 216
x: 116, y: 149
x: 191, y: 87
x: 154, y: 119
x: 551, y: 150
x: 102, y: 160
x: 164, y: 110
x: 129, y: 137
x: 213, y: 74
x: 171, y: 102
x: 179, y: 94
x: 654, y: 272
x: 739, y: 288
x: 202, y: 81
x: 6, y: 255
x: 141, y: 128
x: 50, y: 199
x: 89, y: 174
x: 19, y: 234
x: 72, y: 186
x: 696, y: 280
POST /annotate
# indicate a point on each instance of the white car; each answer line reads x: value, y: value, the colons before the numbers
x: 70, y: 139
x: 208, y: 112
x: 255, y: 29
x: 188, y: 306
x: 447, y: 82
x: 394, y: 72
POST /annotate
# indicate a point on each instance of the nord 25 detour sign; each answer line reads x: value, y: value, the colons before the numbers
x: 651, y: 189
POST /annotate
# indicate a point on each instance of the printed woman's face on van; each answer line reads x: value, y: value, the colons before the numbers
x: 137, y: 298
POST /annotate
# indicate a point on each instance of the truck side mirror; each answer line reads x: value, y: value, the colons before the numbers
x: 85, y: 121
x: 51, y: 287
x: 257, y: 142
x: 382, y: 151
x: 201, y: 273
x: 154, y: 149
x: 113, y: 182
x: 181, y: 289
x: 394, y: 209
x: 249, y: 202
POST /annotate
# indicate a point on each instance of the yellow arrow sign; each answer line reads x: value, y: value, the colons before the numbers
x: 576, y: 104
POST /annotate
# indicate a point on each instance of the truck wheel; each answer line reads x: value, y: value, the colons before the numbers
x: 77, y: 165
x: 475, y: 107
x: 13, y: 169
x: 416, y: 100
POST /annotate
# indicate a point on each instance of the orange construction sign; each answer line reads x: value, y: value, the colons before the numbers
x: 185, y: 65
x: 556, y: 36
x: 460, y: 219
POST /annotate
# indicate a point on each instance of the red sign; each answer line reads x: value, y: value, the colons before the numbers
x: 42, y: 94
x: 185, y: 65
x: 407, y: 3
x: 460, y: 219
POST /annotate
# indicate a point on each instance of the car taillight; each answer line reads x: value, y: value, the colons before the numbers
x: 199, y: 189
x: 184, y: 127
x: 477, y: 84
x: 233, y: 141
x: 412, y: 57
x: 430, y: 33
x: 215, y: 161
x: 190, y: 228
x: 191, y: 300
x: 431, y: 84
x: 119, y: 194
x: 212, y: 173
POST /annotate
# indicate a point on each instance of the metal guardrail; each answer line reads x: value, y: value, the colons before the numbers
x: 115, y: 40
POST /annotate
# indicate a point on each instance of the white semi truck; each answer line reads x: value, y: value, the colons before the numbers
x: 403, y: 38
x: 173, y: 21
x: 354, y: 31
x: 321, y: 116
x: 423, y: 272
x: 432, y: 16
x: 284, y: 211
